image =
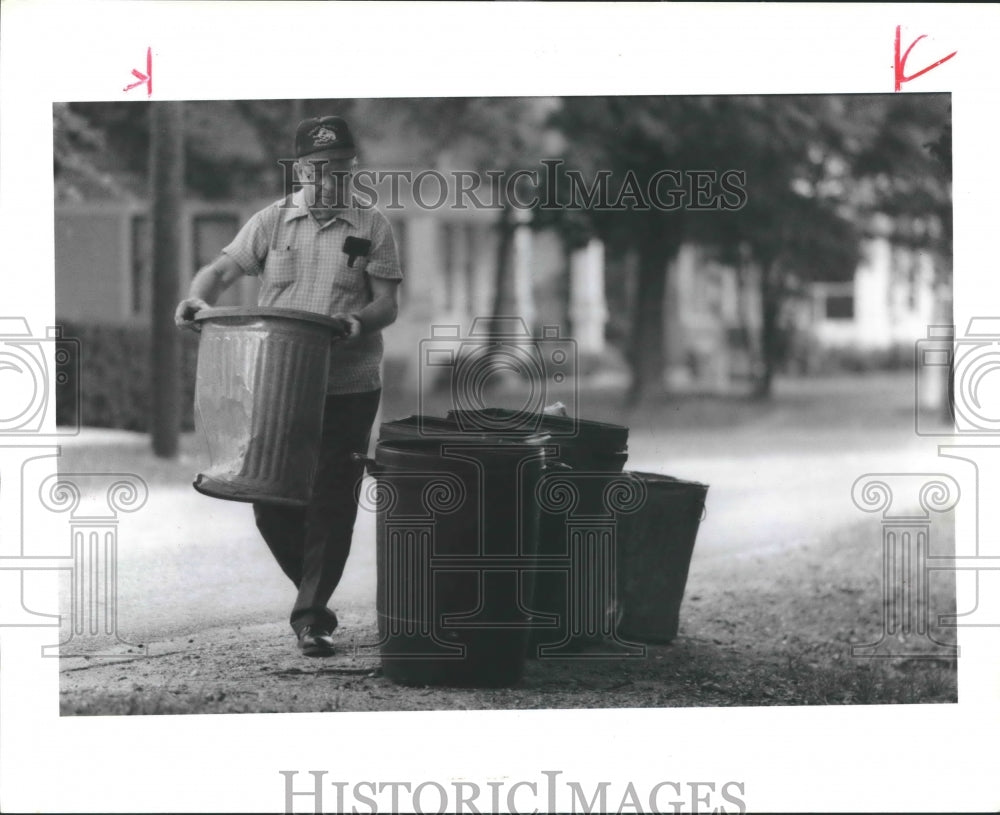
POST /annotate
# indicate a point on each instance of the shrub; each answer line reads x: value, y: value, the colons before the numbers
x: 114, y: 377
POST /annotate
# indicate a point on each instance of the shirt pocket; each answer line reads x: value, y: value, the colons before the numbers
x: 358, y: 269
x: 350, y: 280
x: 281, y: 267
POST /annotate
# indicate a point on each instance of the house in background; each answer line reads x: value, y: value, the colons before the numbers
x: 712, y: 316
x: 890, y: 302
x: 450, y: 259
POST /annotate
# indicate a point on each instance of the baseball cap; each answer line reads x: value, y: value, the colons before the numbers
x: 329, y: 135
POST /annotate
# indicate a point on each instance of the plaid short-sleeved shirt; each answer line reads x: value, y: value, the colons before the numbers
x: 305, y: 265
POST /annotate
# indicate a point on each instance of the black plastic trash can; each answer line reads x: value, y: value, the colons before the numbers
x: 584, y: 444
x: 563, y: 620
x: 654, y: 547
x: 572, y: 602
x: 457, y: 531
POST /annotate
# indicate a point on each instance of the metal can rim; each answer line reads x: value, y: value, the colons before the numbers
x: 243, y: 312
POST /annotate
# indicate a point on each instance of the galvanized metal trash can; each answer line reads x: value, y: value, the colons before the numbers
x: 259, y: 394
x: 654, y: 547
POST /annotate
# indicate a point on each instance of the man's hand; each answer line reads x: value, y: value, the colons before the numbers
x: 186, y: 309
x: 354, y: 325
x: 379, y: 313
x: 206, y: 286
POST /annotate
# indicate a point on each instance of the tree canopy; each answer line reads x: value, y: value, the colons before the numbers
x: 814, y: 171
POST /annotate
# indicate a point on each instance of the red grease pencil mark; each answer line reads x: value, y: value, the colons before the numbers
x: 147, y: 77
x: 901, y: 76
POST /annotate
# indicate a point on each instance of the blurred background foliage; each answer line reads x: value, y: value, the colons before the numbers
x: 819, y: 171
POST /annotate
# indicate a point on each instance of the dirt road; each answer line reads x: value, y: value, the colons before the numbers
x: 199, y: 588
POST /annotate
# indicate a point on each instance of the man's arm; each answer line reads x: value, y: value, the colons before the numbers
x: 380, y: 312
x: 206, y: 287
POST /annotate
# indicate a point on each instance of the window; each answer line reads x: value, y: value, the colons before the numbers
x: 142, y: 258
x: 448, y: 236
x: 840, y: 306
x: 211, y: 233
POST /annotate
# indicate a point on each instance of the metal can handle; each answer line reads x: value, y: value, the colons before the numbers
x: 373, y: 467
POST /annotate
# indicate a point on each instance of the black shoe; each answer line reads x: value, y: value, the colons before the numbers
x: 315, y: 641
x: 332, y: 623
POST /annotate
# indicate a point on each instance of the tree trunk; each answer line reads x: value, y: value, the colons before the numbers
x: 645, y: 350
x: 167, y: 193
x: 770, y: 329
x: 948, y: 318
x: 502, y: 300
x: 502, y: 279
x: 748, y: 337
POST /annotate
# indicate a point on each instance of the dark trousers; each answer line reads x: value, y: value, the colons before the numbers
x: 311, y: 543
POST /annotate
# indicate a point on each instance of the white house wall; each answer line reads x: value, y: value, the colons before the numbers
x: 92, y: 263
x: 883, y: 316
x: 588, y: 308
x: 700, y: 307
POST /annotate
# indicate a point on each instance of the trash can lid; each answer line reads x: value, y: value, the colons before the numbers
x: 400, y: 451
x: 464, y: 439
x: 418, y: 426
x: 585, y: 455
x: 602, y: 436
x: 338, y: 326
x: 660, y: 481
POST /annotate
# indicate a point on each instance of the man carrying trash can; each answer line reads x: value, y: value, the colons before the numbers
x: 316, y: 251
